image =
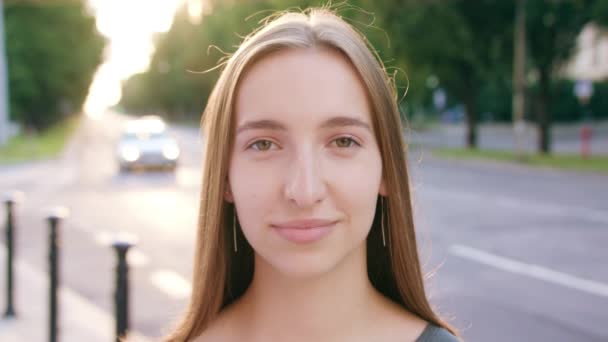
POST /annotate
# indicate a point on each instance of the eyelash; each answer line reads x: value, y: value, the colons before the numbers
x: 353, y: 143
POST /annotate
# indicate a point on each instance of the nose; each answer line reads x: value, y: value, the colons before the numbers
x: 305, y: 185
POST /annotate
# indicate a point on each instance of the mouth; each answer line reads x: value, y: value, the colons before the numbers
x: 304, y: 224
x: 304, y: 231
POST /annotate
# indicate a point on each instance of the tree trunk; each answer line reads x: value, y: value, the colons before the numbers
x: 544, y: 113
x: 470, y: 105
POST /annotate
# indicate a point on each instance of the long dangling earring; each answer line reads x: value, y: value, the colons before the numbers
x: 234, y: 229
x: 382, y: 221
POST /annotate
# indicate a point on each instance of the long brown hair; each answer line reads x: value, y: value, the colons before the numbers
x: 220, y: 275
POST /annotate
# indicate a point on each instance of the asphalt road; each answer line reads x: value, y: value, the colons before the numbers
x: 513, y: 254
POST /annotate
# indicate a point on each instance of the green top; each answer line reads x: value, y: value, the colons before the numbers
x: 433, y: 333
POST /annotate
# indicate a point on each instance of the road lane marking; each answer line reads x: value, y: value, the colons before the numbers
x: 171, y: 283
x: 594, y: 215
x: 530, y: 270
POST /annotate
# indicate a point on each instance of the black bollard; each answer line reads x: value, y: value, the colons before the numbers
x: 54, y: 220
x: 10, y: 252
x: 121, y: 294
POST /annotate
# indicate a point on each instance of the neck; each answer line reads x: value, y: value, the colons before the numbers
x: 279, y: 307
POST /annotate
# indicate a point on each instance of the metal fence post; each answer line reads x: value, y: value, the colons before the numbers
x: 54, y: 219
x: 121, y: 294
x: 10, y: 201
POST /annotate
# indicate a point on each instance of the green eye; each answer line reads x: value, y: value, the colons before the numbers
x: 262, y: 145
x: 345, y: 142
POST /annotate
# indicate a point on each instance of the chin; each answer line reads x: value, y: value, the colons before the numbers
x: 304, y: 267
x: 309, y: 261
x: 304, y: 264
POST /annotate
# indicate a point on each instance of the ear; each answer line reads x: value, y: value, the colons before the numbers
x: 382, y: 191
x: 228, y: 194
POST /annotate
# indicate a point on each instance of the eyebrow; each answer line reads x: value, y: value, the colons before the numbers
x: 261, y: 124
x: 337, y: 121
x: 344, y: 121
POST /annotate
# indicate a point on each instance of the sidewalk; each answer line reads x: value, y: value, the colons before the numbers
x: 79, y: 319
x: 565, y: 138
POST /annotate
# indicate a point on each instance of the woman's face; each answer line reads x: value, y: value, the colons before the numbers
x: 306, y: 169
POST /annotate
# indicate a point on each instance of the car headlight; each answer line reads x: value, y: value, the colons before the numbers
x: 129, y: 153
x: 171, y: 151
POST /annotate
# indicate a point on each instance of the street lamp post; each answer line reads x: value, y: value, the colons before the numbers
x: 4, y: 115
x: 519, y: 86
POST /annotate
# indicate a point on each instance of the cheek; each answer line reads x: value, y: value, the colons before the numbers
x: 254, y: 188
x: 250, y: 178
x: 356, y: 177
x: 355, y: 186
x: 363, y: 171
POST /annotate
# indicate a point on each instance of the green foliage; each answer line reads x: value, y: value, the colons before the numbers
x: 53, y: 51
x: 177, y: 82
x: 598, y: 164
x: 459, y: 41
x: 495, y: 98
x: 567, y: 108
x: 464, y: 44
x: 599, y: 13
x: 495, y: 101
x: 552, y: 28
x: 48, y: 144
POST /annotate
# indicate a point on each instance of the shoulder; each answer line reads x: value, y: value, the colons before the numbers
x: 395, y: 320
x: 433, y: 333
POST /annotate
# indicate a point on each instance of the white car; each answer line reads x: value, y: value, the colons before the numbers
x: 145, y: 143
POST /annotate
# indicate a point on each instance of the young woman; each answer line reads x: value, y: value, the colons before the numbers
x: 306, y: 230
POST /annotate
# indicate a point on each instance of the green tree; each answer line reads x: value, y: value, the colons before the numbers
x: 466, y: 44
x: 53, y: 50
x: 176, y: 83
x: 599, y: 12
x: 552, y: 28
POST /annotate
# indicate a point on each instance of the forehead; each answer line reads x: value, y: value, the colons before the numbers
x: 297, y: 84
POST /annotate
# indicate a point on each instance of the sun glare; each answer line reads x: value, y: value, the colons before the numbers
x: 129, y: 26
x: 195, y: 10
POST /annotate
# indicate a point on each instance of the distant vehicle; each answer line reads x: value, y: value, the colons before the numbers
x: 145, y: 143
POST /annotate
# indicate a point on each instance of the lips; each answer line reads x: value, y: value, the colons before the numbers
x: 304, y: 224
x: 304, y: 231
